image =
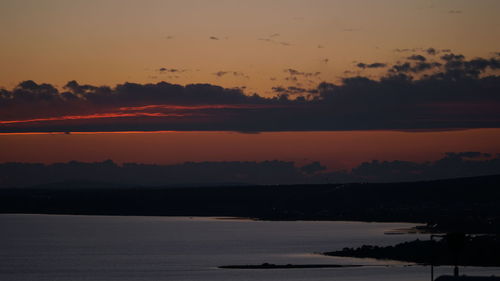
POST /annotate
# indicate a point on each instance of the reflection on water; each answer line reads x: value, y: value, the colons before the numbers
x: 42, y: 247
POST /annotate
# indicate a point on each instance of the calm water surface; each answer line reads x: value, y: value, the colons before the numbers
x: 46, y: 247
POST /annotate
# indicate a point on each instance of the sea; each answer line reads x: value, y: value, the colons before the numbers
x: 133, y: 248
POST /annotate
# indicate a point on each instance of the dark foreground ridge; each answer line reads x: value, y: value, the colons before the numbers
x: 483, y: 250
x: 467, y: 205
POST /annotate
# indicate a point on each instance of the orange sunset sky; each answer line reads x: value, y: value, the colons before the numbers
x: 337, y: 150
x: 258, y: 47
x: 105, y: 42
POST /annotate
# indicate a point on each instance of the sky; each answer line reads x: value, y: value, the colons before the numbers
x: 106, y: 42
x: 334, y: 81
x: 335, y: 150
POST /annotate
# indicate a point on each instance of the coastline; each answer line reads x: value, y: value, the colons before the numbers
x: 452, y: 249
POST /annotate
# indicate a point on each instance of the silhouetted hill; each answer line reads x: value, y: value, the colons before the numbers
x: 455, y: 204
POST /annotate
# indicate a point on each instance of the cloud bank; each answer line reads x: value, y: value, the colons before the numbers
x: 441, y: 92
x: 452, y: 165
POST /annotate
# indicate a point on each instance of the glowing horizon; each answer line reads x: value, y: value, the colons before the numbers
x: 336, y: 150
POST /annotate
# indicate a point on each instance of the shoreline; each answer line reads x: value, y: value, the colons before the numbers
x: 287, y: 266
x: 396, y: 231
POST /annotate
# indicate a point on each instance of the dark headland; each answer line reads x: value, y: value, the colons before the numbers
x: 468, y: 205
x: 451, y: 249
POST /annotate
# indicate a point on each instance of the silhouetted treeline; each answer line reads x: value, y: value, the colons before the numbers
x: 475, y: 251
x: 452, y: 165
x: 467, y: 204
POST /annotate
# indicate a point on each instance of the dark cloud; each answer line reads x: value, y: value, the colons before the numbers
x: 220, y: 73
x: 417, y: 58
x: 431, y: 51
x: 454, y: 12
x: 294, y: 72
x: 417, y: 64
x: 452, y: 165
x: 213, y: 38
x: 416, y: 68
x: 170, y: 70
x: 30, y: 100
x: 457, y: 65
x: 453, y: 92
x: 405, y: 50
x: 265, y: 39
x: 402, y: 68
x: 422, y: 66
x: 313, y: 168
x: 234, y: 73
x: 292, y: 90
x: 271, y: 39
x: 452, y: 57
x: 371, y: 65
